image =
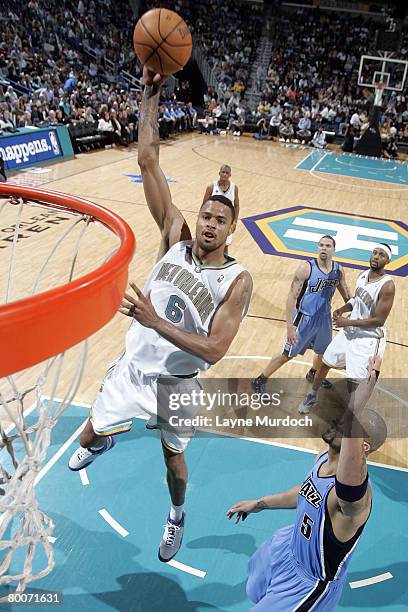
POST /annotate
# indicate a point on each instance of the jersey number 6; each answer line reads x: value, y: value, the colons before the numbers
x: 175, y: 309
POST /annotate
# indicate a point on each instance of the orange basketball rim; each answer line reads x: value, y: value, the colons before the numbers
x: 36, y: 328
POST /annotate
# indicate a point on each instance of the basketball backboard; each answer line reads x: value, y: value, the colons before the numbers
x: 382, y: 69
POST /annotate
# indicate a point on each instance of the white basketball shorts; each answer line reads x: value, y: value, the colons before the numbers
x: 353, y: 354
x: 127, y: 393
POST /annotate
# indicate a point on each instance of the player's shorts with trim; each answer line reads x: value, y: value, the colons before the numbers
x: 312, y: 332
x: 352, y: 354
x: 278, y: 583
x: 127, y: 393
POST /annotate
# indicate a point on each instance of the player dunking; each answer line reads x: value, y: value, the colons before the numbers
x: 363, y: 334
x: 225, y: 187
x: 184, y: 320
x: 304, y: 566
x: 308, y: 307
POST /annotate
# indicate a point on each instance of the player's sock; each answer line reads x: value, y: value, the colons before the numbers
x: 259, y: 384
x: 176, y: 513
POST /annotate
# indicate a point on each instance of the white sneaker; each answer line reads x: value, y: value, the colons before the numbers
x: 171, y: 540
x: 308, y: 403
x: 85, y: 456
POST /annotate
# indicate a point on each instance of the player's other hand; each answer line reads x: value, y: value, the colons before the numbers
x: 341, y: 321
x: 139, y: 307
x: 291, y: 335
x: 242, y: 509
x: 152, y: 78
x: 337, y: 313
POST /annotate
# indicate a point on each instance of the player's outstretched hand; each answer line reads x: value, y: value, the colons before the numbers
x: 139, y: 307
x: 242, y: 509
x: 152, y: 78
x: 366, y: 388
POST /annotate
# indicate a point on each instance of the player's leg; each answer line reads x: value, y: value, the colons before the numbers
x: 259, y: 383
x: 358, y: 353
x: 177, y: 484
x: 302, y: 324
x: 175, y: 437
x: 110, y: 414
x: 334, y: 357
x: 323, y: 336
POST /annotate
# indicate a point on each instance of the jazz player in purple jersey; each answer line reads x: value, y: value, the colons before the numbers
x: 308, y: 311
x: 304, y: 566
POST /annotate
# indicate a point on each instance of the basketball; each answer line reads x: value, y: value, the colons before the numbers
x: 162, y: 41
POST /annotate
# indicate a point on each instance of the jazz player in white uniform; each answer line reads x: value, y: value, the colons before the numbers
x: 225, y: 187
x: 185, y: 319
x: 363, y: 335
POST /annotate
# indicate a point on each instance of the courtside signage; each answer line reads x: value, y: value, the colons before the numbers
x: 294, y: 232
x: 26, y: 149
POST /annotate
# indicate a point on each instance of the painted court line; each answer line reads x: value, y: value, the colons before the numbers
x: 84, y: 477
x: 114, y: 524
x: 303, y: 160
x: 186, y: 568
x: 373, y: 580
x: 59, y: 452
x: 317, y: 163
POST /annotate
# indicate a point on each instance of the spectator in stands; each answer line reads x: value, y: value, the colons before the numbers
x: 262, y: 131
x: 303, y: 132
x: 7, y: 121
x: 105, y: 126
x: 274, y: 124
x: 391, y: 149
x: 355, y: 122
x: 193, y: 113
x: 238, y: 125
x: 319, y: 139
x: 348, y: 144
x: 286, y: 131
x: 25, y: 120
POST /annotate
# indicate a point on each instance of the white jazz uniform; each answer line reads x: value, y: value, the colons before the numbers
x: 187, y: 293
x: 353, y: 346
x: 230, y: 194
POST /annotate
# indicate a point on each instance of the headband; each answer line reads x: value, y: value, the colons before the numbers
x: 384, y: 248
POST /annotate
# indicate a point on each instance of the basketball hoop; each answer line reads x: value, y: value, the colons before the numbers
x: 39, y: 328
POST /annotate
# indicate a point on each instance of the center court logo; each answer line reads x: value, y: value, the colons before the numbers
x: 294, y: 232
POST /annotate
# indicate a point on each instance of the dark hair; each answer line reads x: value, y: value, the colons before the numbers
x: 330, y: 238
x: 385, y: 244
x: 223, y: 200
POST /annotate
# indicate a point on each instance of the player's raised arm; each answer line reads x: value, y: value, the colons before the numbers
x: 300, y: 277
x: 223, y: 328
x: 352, y: 495
x: 170, y: 221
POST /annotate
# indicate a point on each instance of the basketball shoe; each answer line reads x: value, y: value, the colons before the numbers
x: 172, y: 539
x: 308, y: 403
x: 85, y: 456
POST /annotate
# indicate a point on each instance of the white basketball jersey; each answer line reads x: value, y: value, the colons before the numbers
x: 187, y: 293
x: 230, y: 193
x: 366, y: 299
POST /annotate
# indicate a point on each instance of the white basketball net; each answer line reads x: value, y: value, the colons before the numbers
x: 28, y: 411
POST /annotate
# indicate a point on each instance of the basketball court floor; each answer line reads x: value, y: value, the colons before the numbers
x: 109, y: 518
